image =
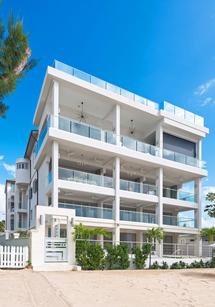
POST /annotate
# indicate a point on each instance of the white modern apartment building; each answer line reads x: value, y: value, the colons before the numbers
x: 119, y: 160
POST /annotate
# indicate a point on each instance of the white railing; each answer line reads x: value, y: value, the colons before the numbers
x: 56, y: 250
x: 105, y: 85
x: 183, y: 114
x: 13, y: 256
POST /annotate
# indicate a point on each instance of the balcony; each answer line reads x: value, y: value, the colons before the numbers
x: 183, y: 115
x: 93, y: 132
x: 83, y: 177
x: 138, y: 187
x: 104, y: 85
x: 107, y: 213
x: 179, y: 194
x: 181, y: 158
x: 139, y: 217
x: 178, y: 221
x: 86, y: 130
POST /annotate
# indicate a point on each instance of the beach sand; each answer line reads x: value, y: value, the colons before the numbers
x: 149, y: 288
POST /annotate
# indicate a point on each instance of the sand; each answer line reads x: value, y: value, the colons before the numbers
x: 147, y: 288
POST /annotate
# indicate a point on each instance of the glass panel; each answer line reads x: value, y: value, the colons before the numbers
x: 127, y: 94
x: 80, y: 129
x: 140, y: 99
x: 110, y: 137
x: 189, y: 116
x: 129, y: 143
x: 180, y: 158
x: 64, y: 124
x: 167, y: 154
x: 98, y: 82
x: 95, y: 133
x: 81, y: 75
x: 179, y: 112
x: 113, y: 88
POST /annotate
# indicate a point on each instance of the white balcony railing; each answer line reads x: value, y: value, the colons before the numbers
x: 179, y: 194
x: 96, y: 133
x: 105, y: 85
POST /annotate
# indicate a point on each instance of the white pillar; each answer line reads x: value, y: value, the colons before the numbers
x: 199, y: 149
x: 116, y: 206
x: 159, y: 207
x: 116, y: 123
x: 198, y: 212
x: 55, y: 157
x: 159, y: 138
x: 55, y: 103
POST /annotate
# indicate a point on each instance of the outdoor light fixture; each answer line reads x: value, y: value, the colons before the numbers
x: 132, y: 127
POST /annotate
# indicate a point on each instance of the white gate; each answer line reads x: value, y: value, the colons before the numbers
x: 13, y: 257
x: 55, y: 249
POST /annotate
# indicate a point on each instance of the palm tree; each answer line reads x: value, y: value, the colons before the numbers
x: 153, y: 235
x: 208, y: 233
x: 14, y: 58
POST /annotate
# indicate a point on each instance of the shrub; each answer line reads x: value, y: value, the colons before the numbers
x: 164, y: 266
x: 117, y: 257
x: 155, y: 266
x: 178, y: 265
x: 196, y: 264
x: 89, y: 256
x: 141, y: 255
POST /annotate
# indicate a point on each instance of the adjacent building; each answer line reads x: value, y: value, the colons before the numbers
x: 121, y: 161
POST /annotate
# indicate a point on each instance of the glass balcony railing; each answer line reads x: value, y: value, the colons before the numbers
x: 86, y: 130
x: 83, y: 177
x: 89, y: 211
x: 178, y: 221
x: 181, y: 158
x: 179, y: 194
x: 133, y: 216
x: 138, y: 187
x: 42, y: 134
x: 139, y: 146
x: 107, y: 213
x: 105, y: 85
x: 183, y: 114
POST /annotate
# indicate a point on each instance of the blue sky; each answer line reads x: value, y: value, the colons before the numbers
x: 163, y: 50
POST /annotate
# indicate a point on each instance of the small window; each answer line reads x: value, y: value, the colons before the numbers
x: 30, y: 193
x: 35, y: 185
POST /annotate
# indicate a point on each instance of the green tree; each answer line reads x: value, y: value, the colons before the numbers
x: 153, y: 235
x: 210, y: 208
x: 2, y: 226
x: 208, y: 233
x: 15, y: 57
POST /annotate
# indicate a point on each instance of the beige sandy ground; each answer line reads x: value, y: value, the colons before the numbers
x: 108, y: 289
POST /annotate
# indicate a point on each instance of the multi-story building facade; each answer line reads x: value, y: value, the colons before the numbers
x: 118, y: 159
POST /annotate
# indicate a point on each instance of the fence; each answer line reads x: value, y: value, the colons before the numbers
x: 14, y: 257
x: 56, y: 250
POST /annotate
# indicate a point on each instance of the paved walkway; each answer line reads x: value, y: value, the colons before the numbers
x: 167, y: 288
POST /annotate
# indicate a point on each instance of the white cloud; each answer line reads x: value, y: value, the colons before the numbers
x: 1, y: 157
x: 204, y: 88
x: 206, y: 101
x: 2, y: 201
x: 10, y: 168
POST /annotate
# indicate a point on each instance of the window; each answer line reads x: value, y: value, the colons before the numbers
x: 35, y: 185
x: 30, y: 193
x: 23, y: 165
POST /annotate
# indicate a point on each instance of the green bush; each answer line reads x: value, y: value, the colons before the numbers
x: 89, y: 256
x: 196, y: 264
x: 178, y: 265
x: 164, y: 266
x: 141, y: 255
x: 117, y: 257
x: 155, y: 266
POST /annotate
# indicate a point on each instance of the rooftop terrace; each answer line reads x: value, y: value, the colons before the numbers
x: 171, y: 109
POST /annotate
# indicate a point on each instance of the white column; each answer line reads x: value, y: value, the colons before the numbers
x: 116, y: 123
x: 159, y: 138
x: 55, y: 156
x: 55, y: 103
x: 116, y: 203
x: 159, y: 207
x: 140, y: 238
x: 199, y: 149
x: 198, y: 212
